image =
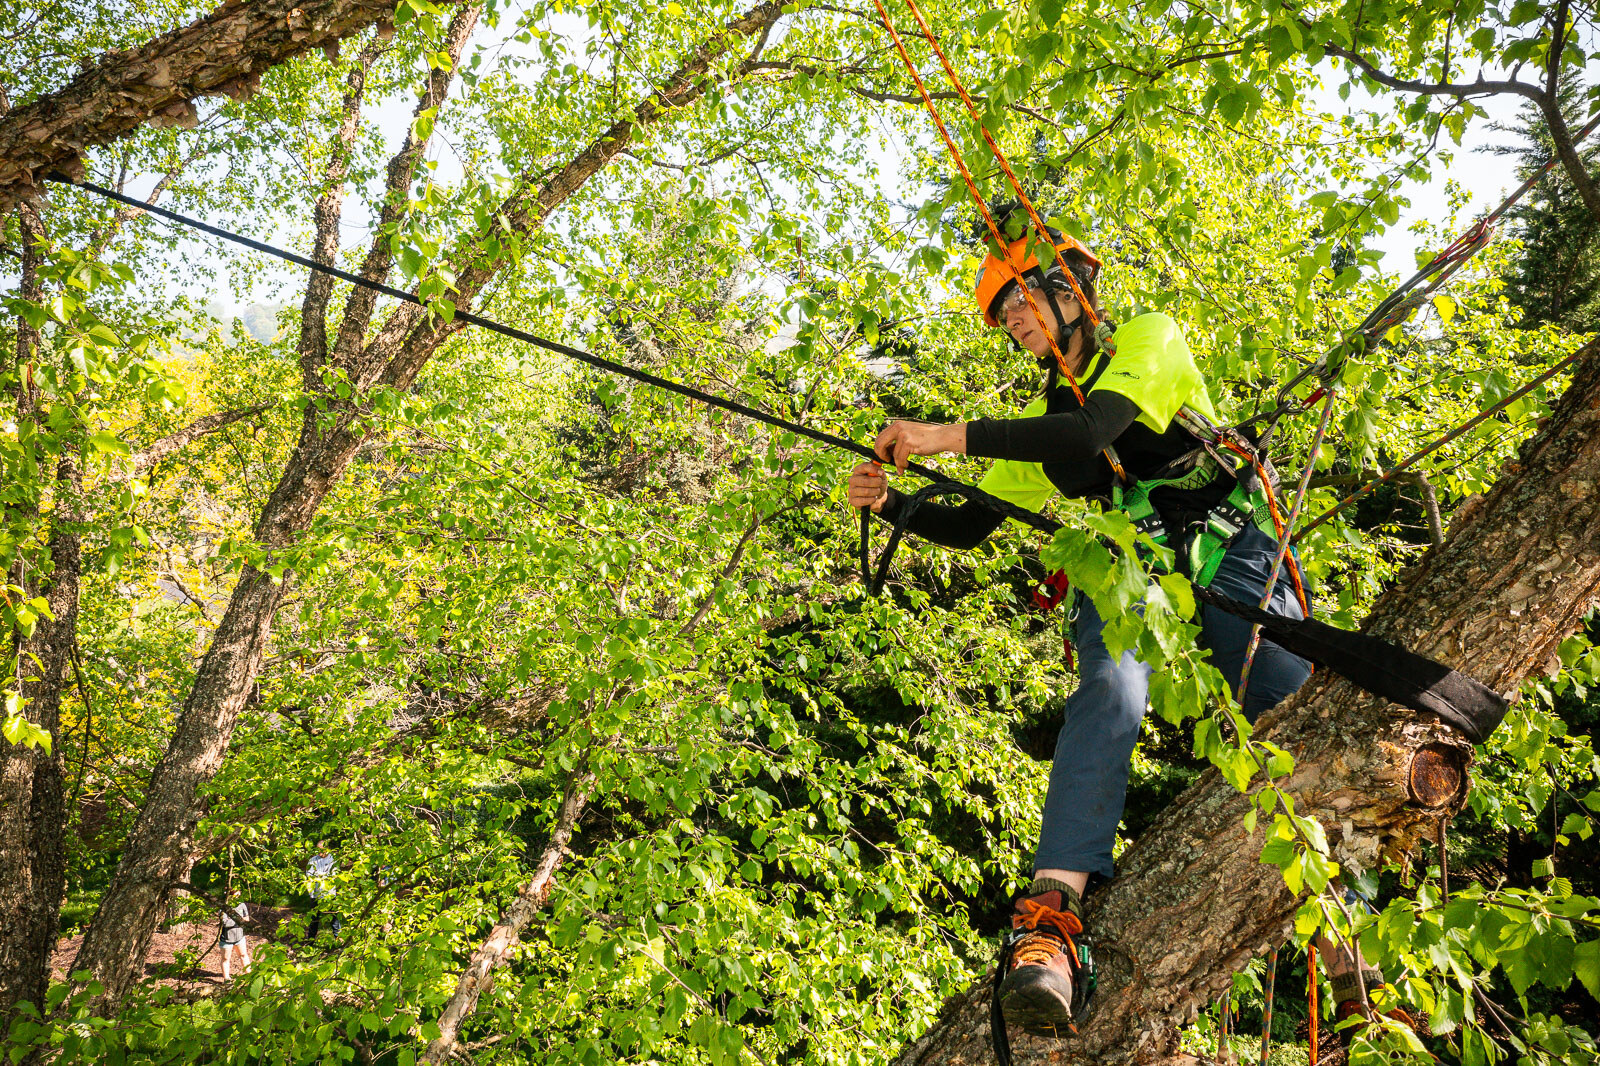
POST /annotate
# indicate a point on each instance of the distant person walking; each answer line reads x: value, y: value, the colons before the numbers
x: 233, y: 919
x: 319, y: 884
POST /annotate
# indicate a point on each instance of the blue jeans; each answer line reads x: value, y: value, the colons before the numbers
x: 1089, y: 777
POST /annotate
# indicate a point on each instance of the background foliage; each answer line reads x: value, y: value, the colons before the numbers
x: 808, y: 809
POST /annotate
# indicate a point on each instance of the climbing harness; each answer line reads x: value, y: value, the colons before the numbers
x: 1207, y: 539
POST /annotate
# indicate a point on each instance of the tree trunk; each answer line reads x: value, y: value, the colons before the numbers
x: 162, y: 842
x: 1191, y: 904
x: 223, y: 53
x: 478, y: 977
x: 32, y: 807
x: 1571, y: 161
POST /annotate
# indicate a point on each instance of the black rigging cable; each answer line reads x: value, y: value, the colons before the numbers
x: 1471, y: 701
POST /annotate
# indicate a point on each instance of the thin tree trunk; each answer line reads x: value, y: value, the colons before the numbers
x: 409, y: 337
x: 1571, y: 161
x: 223, y: 53
x: 478, y: 977
x: 32, y: 860
x: 1550, y: 106
x: 162, y: 841
x: 160, y: 850
x: 1191, y: 904
x: 313, y: 346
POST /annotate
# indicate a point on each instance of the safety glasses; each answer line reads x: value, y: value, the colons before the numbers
x: 1015, y: 299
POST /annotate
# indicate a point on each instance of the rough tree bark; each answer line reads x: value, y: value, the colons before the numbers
x: 159, y: 848
x: 32, y: 808
x: 33, y: 814
x: 162, y: 840
x: 223, y: 53
x: 1191, y: 904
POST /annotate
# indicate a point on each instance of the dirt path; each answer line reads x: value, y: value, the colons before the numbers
x: 188, y: 955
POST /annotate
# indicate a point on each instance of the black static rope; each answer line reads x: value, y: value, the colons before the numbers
x: 941, y: 484
x: 909, y: 507
x: 599, y: 362
x: 998, y: 1036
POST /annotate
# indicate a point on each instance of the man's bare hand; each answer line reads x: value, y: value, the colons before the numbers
x: 869, y: 487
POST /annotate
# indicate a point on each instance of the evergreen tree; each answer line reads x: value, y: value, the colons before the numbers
x: 1557, y: 279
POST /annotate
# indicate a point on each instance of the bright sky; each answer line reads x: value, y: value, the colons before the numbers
x: 1485, y: 176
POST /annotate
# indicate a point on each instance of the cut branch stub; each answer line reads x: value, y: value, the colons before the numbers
x: 1438, y: 776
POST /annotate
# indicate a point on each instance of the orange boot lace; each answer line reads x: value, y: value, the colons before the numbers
x: 1051, y: 931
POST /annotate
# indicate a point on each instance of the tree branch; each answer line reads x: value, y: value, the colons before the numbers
x: 313, y: 346
x: 757, y: 520
x: 358, y: 309
x: 1423, y: 88
x: 147, y: 457
x: 1560, y: 135
x: 101, y: 236
x: 478, y: 977
x: 222, y: 53
x: 1430, y: 498
x: 410, y: 336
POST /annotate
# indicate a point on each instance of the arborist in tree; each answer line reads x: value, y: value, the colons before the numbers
x: 1216, y: 521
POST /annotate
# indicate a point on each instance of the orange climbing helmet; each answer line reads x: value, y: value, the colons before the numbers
x: 994, y: 280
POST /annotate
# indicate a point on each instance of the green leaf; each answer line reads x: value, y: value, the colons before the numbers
x: 1586, y: 966
x: 104, y: 441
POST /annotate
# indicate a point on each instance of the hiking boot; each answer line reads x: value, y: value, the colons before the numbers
x: 1041, y: 961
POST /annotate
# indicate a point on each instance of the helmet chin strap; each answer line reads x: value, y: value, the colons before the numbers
x: 1065, y: 338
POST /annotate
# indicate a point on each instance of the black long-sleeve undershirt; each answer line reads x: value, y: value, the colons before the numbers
x: 963, y: 526
x: 1076, y: 436
x: 1067, y: 437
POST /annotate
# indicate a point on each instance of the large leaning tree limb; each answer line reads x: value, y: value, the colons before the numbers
x: 161, y: 845
x: 223, y: 53
x: 1191, y: 903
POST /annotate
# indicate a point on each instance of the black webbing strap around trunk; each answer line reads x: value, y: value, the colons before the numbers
x: 1381, y: 667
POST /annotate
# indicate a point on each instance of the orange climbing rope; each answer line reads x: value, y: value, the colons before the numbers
x: 1100, y: 332
x: 999, y: 156
x: 983, y: 205
x: 1277, y: 518
x: 1311, y: 997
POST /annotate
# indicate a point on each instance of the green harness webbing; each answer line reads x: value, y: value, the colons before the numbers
x: 1208, y: 538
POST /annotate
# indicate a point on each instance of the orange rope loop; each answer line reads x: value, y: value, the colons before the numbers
x: 1000, y: 157
x: 1277, y: 516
